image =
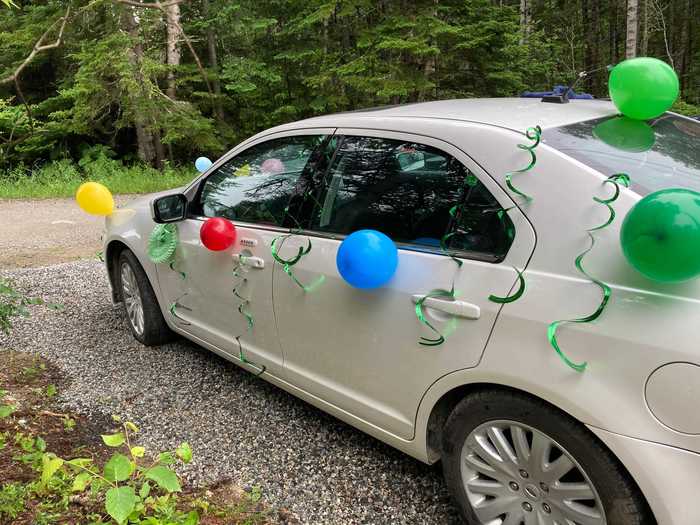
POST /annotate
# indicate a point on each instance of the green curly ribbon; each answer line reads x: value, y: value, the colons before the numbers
x: 439, y: 292
x: 245, y: 360
x: 100, y: 256
x: 162, y: 243
x: 515, y: 296
x: 470, y: 180
x: 288, y: 263
x: 176, y: 304
x: 533, y: 134
x: 615, y: 180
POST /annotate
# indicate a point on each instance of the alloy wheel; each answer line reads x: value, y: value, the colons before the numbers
x: 514, y: 474
x: 132, y: 298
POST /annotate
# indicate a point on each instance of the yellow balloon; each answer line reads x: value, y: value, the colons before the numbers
x: 95, y: 199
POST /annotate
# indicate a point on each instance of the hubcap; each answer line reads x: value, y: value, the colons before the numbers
x: 132, y: 298
x: 514, y: 474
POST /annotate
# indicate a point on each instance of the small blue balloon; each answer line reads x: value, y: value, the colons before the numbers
x: 202, y: 164
x: 367, y: 259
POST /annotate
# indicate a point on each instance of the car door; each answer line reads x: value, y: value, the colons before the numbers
x: 360, y: 349
x: 225, y: 298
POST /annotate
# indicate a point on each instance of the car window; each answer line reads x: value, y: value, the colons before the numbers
x: 407, y: 191
x: 656, y: 154
x: 255, y: 185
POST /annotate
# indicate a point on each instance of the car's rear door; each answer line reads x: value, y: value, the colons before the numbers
x: 359, y: 350
x: 225, y: 298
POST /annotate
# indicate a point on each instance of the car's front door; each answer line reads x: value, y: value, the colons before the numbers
x: 360, y: 350
x: 225, y: 298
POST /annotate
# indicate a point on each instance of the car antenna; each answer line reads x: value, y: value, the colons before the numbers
x: 563, y: 98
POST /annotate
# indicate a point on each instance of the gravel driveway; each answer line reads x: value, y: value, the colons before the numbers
x: 38, y: 232
x: 240, y: 427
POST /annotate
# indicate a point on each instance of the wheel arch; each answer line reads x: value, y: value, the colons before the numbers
x: 112, y: 252
x: 442, y: 407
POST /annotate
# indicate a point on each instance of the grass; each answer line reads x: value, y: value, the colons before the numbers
x: 34, y: 429
x: 61, y: 178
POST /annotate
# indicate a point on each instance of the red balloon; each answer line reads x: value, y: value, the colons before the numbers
x: 217, y: 234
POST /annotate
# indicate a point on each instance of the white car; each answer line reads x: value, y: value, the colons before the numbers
x: 522, y: 437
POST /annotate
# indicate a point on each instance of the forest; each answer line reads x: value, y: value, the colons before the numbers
x: 158, y: 83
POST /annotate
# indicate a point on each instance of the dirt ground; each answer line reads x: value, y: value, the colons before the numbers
x: 40, y: 232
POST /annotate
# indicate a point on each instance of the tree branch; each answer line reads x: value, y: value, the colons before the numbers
x: 162, y: 6
x: 38, y: 48
x: 152, y: 5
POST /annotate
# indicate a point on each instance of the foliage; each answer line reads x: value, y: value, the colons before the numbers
x: 61, y: 178
x: 13, y: 304
x: 271, y: 62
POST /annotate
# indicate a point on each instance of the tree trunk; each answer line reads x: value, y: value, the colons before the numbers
x: 146, y: 150
x: 595, y: 45
x: 632, y: 27
x: 524, y: 21
x: 430, y: 63
x: 172, y: 45
x: 213, y: 64
x: 644, y: 42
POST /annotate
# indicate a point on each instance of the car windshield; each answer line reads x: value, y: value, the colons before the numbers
x: 656, y: 154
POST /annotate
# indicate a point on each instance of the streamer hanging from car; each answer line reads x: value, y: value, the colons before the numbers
x: 616, y: 180
x: 287, y: 264
x: 533, y: 134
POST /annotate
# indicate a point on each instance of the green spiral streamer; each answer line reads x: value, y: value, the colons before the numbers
x: 440, y: 338
x: 616, y: 180
x: 533, y: 134
x: 516, y: 295
x: 248, y: 362
x: 175, y: 305
x: 287, y: 264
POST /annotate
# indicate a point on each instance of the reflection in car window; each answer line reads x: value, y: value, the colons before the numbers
x: 255, y: 186
x: 406, y: 190
x: 657, y: 154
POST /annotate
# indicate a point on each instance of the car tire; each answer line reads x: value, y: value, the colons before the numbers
x: 489, y: 426
x: 139, y: 303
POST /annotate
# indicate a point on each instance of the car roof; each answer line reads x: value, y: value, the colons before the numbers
x: 511, y: 113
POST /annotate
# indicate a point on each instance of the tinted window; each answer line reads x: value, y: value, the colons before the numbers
x: 661, y: 153
x: 255, y: 185
x: 406, y: 190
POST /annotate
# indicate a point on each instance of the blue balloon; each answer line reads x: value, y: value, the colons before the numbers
x: 367, y: 259
x: 202, y: 164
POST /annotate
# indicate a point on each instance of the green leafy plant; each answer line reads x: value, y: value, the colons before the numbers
x: 133, y: 487
x: 13, y: 304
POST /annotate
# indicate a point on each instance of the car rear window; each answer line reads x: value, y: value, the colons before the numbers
x: 656, y: 154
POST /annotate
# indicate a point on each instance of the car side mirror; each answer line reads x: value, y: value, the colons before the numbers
x: 171, y: 208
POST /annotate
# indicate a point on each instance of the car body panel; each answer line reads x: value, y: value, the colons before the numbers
x: 667, y: 476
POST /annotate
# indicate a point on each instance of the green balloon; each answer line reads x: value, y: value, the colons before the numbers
x: 643, y: 88
x: 660, y: 236
x: 626, y: 134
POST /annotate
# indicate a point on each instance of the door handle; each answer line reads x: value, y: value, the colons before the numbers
x: 247, y: 260
x: 456, y: 308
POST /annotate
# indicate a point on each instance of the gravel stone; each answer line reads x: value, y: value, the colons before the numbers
x: 240, y: 427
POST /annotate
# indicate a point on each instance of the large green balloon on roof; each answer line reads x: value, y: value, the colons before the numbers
x: 660, y: 235
x: 643, y: 88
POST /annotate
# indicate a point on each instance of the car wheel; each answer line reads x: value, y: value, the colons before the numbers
x: 509, y: 459
x: 140, y: 304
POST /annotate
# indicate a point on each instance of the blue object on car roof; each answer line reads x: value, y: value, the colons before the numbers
x: 558, y: 90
